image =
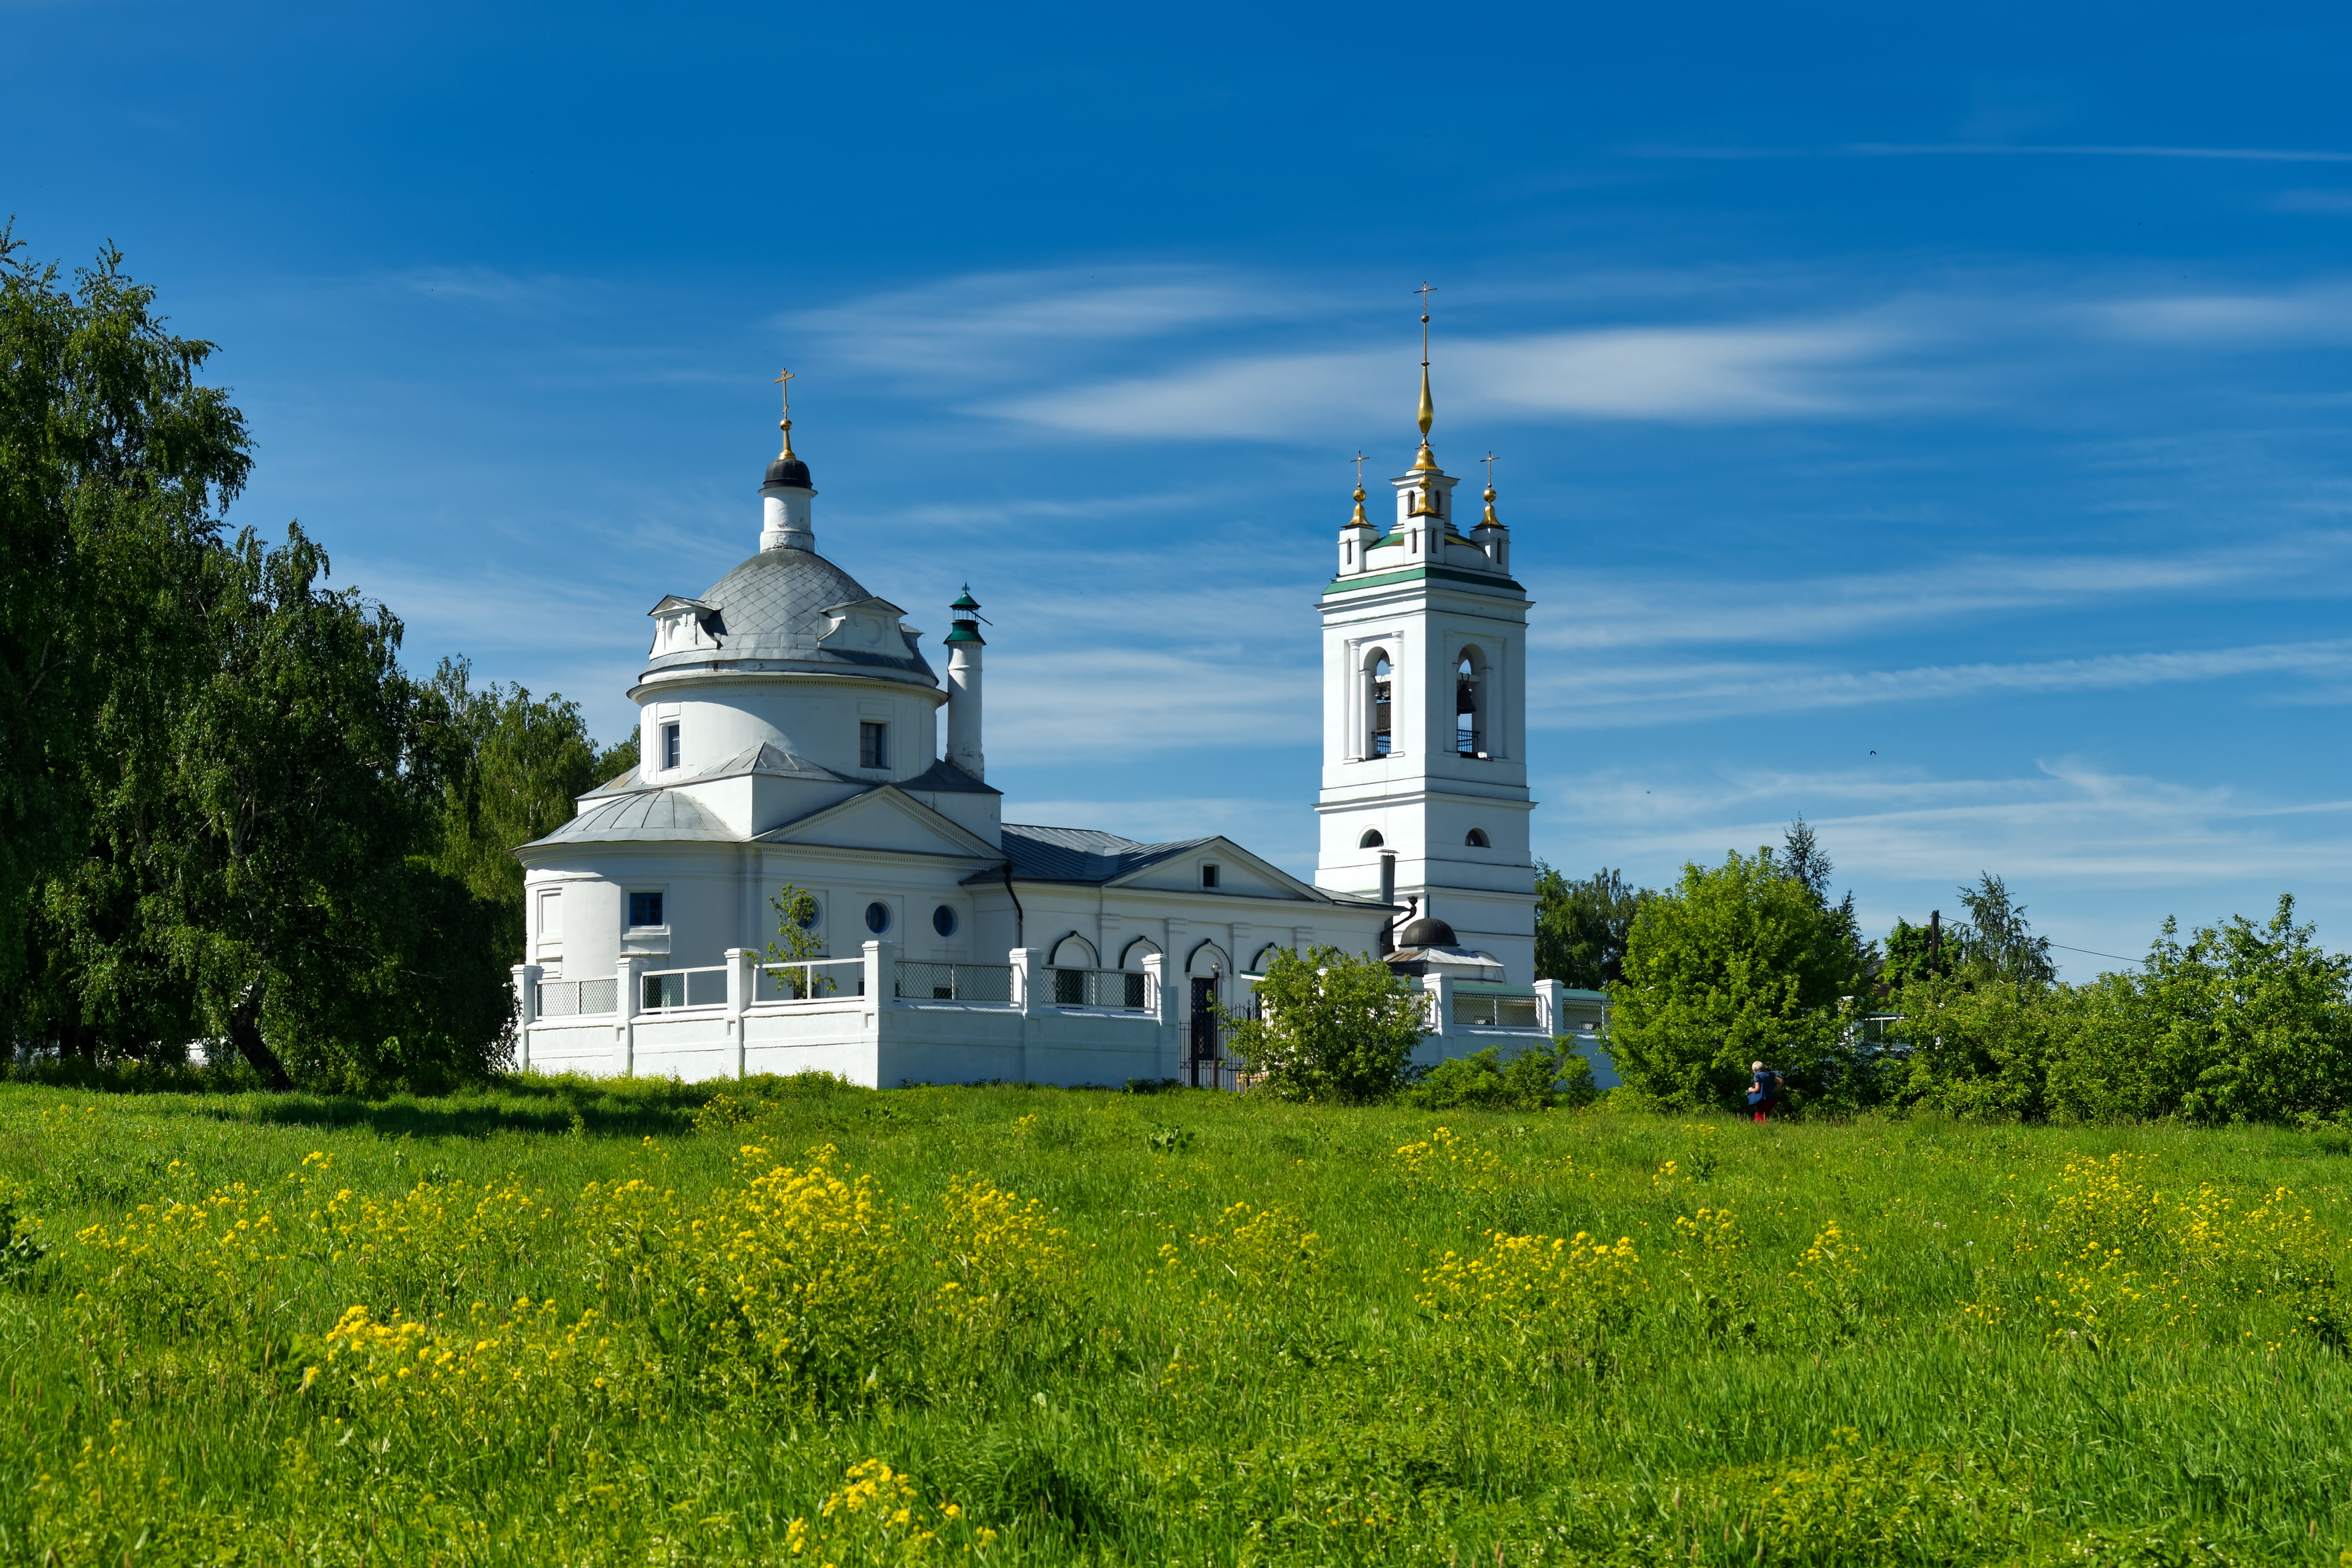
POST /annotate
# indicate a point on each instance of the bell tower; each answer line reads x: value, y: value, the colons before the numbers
x: 1425, y: 713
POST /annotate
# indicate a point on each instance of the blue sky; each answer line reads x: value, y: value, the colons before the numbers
x: 1930, y: 419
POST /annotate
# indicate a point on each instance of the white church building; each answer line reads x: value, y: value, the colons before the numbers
x: 790, y: 733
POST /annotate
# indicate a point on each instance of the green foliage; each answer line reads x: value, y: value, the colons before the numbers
x: 1317, y: 1335
x: 1332, y: 1026
x: 1532, y: 1080
x: 1739, y: 962
x: 1979, y: 1048
x: 2241, y: 1022
x: 1995, y: 942
x: 114, y: 463
x: 1582, y: 926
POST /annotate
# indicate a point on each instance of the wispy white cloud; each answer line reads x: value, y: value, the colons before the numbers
x: 2314, y: 314
x: 1662, y: 694
x: 1665, y: 372
x: 1598, y: 610
x: 1004, y: 322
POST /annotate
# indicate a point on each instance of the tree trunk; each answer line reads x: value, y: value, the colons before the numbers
x: 244, y: 1034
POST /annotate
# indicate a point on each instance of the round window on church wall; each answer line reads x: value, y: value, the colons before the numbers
x: 878, y: 916
x: 943, y: 920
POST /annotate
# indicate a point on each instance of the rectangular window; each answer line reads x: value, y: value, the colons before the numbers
x: 873, y: 745
x: 551, y: 914
x: 644, y: 909
x: 1208, y: 876
x: 669, y: 746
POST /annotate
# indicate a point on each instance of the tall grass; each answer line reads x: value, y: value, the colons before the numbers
x: 570, y: 1323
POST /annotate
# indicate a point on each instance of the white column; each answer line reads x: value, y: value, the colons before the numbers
x: 963, y: 709
x: 881, y: 976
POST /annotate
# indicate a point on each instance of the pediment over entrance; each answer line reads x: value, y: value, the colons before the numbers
x: 887, y: 819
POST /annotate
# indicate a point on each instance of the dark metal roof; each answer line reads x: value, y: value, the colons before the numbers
x: 945, y: 778
x: 788, y: 472
x: 1078, y: 854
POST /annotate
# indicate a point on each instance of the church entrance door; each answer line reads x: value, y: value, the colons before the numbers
x: 1204, y: 1028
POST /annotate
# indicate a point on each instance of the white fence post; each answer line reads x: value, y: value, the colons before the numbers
x: 742, y: 977
x: 1547, y: 1008
x: 628, y: 1004
x: 881, y: 974
x: 1440, y: 992
x: 526, y: 987
x: 1026, y: 969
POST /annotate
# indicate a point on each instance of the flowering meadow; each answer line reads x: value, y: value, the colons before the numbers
x: 787, y: 1321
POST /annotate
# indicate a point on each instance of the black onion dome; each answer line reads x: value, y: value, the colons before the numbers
x: 790, y: 472
x: 1426, y: 932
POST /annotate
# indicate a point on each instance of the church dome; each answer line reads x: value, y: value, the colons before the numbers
x: 1426, y: 932
x: 789, y: 471
x: 770, y: 610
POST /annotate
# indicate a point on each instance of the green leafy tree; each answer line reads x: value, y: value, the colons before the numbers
x: 2241, y: 1022
x: 114, y: 463
x: 1736, y: 964
x: 1979, y: 1048
x: 1331, y: 1027
x: 1582, y: 926
x: 261, y: 867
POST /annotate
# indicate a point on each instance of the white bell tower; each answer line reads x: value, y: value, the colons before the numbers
x: 1424, y: 714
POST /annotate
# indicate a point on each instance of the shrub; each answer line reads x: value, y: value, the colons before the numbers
x: 1332, y: 1027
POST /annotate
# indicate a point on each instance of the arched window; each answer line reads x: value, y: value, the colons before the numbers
x: 1371, y: 840
x: 1072, y: 957
x: 1265, y: 956
x: 1477, y: 839
x: 1380, y: 693
x: 1469, y: 714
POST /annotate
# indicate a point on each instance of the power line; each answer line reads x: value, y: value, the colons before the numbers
x: 2118, y: 957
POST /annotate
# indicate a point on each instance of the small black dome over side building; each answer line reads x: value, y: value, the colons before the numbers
x: 789, y: 472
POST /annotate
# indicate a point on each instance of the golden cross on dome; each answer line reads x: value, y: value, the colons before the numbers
x: 784, y: 397
x: 787, y: 392
x: 1358, y: 461
x: 1489, y: 460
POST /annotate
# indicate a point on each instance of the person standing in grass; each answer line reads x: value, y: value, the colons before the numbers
x: 1763, y: 1091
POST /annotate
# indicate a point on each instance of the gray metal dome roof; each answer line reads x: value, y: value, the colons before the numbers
x: 768, y: 609
x: 655, y: 815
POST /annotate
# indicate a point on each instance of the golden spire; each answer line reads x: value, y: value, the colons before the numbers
x: 785, y: 424
x: 1360, y: 519
x: 1490, y: 521
x: 1425, y: 458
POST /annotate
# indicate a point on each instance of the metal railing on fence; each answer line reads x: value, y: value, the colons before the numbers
x: 1498, y: 1012
x: 664, y: 990
x: 812, y: 980
x: 919, y: 981
x: 574, y: 998
x: 1123, y: 989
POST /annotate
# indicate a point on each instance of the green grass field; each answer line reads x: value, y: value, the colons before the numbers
x: 1013, y: 1325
